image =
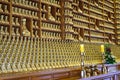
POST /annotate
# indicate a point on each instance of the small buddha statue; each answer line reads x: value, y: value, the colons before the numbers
x: 96, y: 71
x: 50, y: 15
x: 80, y: 38
x: 17, y: 32
x: 109, y: 41
x: 58, y: 11
x: 29, y: 66
x: 5, y: 9
x: 96, y: 2
x: 44, y: 8
x: 1, y: 8
x: 13, y: 20
x: 36, y: 34
x: 43, y: 16
x: 58, y: 19
x: 104, y: 69
x: 1, y: 30
x: 88, y: 71
x: 79, y: 9
x: 37, y: 66
x: 96, y: 27
x: 6, y: 32
x: 33, y: 66
x: 3, y: 68
x: 25, y: 30
x: 13, y: 32
x: 17, y: 21
x: 14, y: 67
x: 2, y: 18
x: 36, y: 24
x: 24, y: 66
x: 19, y: 66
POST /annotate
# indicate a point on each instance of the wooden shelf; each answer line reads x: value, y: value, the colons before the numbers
x: 96, y: 36
x: 75, y: 14
x: 109, y: 32
x: 3, y: 23
x: 51, y: 30
x: 4, y: 2
x: 4, y: 13
x: 86, y: 34
x: 98, y: 12
x: 108, y: 27
x: 75, y: 4
x: 26, y: 7
x: 26, y: 16
x: 80, y: 20
x: 96, y: 17
x: 78, y: 26
x: 51, y: 21
x: 107, y: 4
x: 70, y: 8
x: 66, y: 31
x: 108, y: 10
x: 35, y: 28
x: 75, y: 33
x: 15, y: 25
x: 52, y: 4
x: 68, y: 16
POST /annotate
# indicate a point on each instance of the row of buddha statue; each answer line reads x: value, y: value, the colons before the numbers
x: 20, y: 53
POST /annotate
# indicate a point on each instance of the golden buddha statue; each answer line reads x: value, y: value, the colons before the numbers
x: 25, y: 30
x: 50, y: 17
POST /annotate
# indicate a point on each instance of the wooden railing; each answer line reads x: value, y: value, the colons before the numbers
x: 113, y: 73
x: 71, y: 73
x: 109, y: 76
